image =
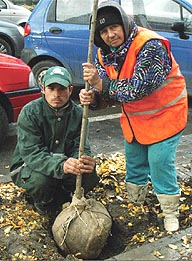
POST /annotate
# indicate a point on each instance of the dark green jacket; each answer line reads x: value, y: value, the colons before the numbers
x: 43, y: 133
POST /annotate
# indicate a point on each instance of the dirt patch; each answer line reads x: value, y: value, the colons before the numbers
x: 26, y: 235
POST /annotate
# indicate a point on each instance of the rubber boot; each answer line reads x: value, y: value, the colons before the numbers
x: 136, y: 193
x: 170, y: 207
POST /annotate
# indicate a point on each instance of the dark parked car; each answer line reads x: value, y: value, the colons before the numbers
x: 11, y: 38
x: 57, y: 33
x: 17, y: 87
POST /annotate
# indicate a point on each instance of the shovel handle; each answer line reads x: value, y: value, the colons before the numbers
x: 78, y: 191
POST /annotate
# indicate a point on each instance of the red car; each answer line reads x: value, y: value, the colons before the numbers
x: 17, y: 87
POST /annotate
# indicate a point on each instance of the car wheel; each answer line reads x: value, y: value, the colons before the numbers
x: 40, y: 68
x: 4, y: 125
x: 5, y: 47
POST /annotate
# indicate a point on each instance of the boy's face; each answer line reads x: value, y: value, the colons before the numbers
x: 57, y: 95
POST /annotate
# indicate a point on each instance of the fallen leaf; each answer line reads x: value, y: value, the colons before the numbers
x: 8, y: 229
x: 172, y: 246
x: 158, y: 254
x: 1, y: 219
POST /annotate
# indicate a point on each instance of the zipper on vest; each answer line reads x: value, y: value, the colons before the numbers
x: 129, y: 122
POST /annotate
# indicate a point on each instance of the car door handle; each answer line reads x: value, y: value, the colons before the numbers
x: 55, y: 30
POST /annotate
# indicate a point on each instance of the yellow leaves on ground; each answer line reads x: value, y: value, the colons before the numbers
x: 23, y: 256
x: 16, y: 217
x: 111, y: 192
x: 183, y: 207
x: 158, y: 254
x: 186, y: 244
x: 187, y: 239
x: 15, y: 214
x: 112, y: 171
x: 142, y: 237
x: 7, y: 229
x: 172, y: 246
x: 109, y: 167
x: 138, y: 238
x: 187, y: 190
x: 10, y: 191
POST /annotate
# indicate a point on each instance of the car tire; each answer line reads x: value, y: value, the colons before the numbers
x: 5, y: 47
x: 3, y: 126
x: 40, y: 68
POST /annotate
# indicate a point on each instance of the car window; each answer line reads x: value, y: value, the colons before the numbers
x: 187, y: 17
x: 157, y: 15
x: 3, y: 5
x: 70, y: 11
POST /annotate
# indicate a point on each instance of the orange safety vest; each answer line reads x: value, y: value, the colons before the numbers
x: 163, y: 113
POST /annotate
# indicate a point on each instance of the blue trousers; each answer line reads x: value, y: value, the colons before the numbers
x: 155, y: 161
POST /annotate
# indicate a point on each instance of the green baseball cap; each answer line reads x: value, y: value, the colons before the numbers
x: 57, y: 74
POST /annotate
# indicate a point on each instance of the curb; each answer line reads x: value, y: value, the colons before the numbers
x: 169, y: 248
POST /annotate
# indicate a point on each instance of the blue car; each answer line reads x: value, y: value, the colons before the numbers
x: 57, y: 33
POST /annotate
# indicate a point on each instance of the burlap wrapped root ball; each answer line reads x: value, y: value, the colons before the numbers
x: 82, y: 228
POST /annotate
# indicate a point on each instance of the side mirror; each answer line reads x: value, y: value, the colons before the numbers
x: 180, y: 27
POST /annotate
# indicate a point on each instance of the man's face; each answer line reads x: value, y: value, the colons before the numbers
x: 113, y: 35
x: 56, y: 95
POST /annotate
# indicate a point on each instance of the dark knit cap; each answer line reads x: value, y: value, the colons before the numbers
x: 107, y: 17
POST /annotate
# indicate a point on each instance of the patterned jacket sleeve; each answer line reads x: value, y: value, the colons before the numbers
x: 151, y: 69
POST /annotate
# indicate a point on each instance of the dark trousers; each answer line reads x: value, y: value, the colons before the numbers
x: 45, y: 189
